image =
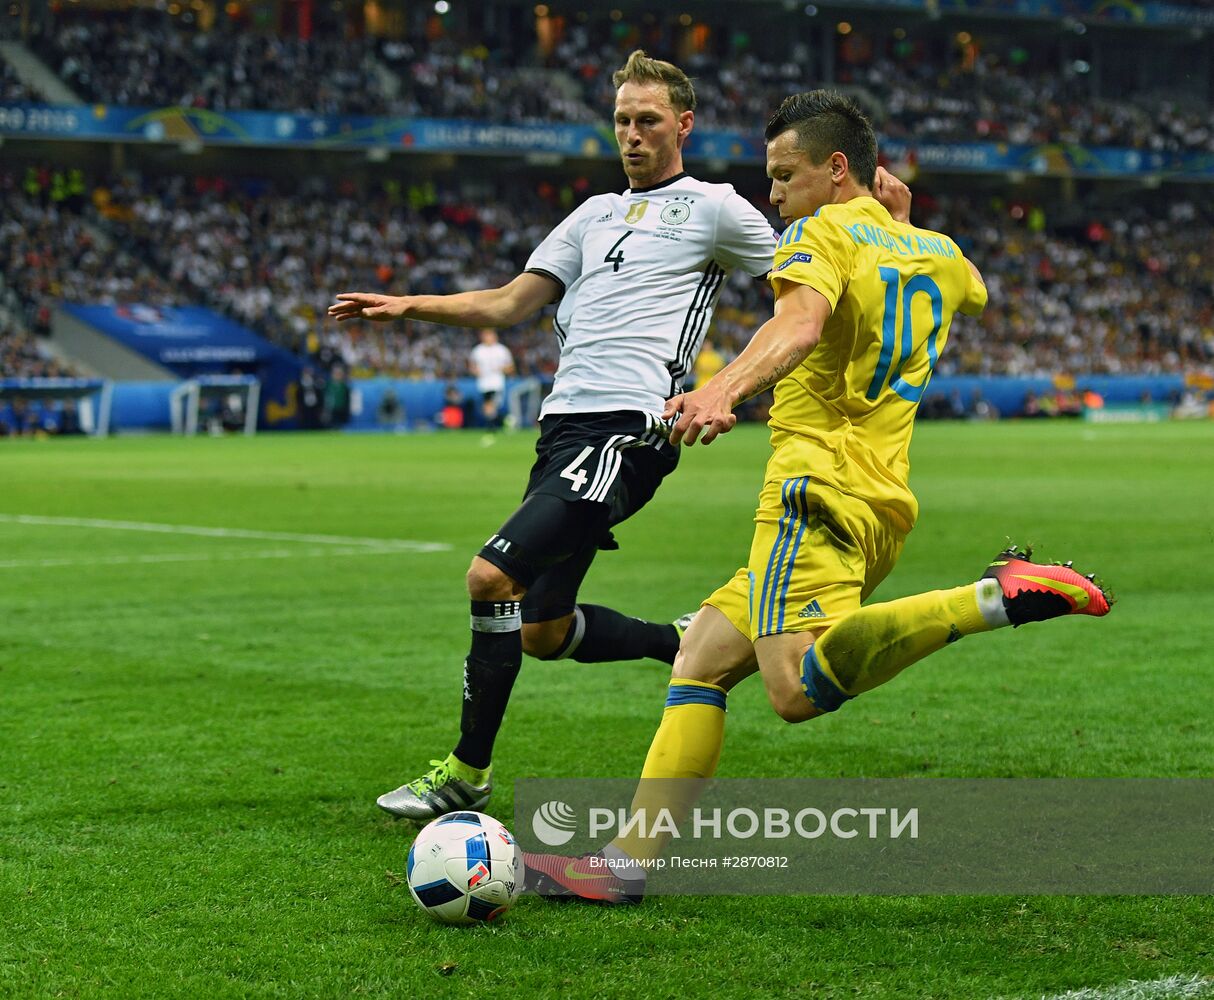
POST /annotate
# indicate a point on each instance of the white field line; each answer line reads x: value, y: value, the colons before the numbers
x: 385, y: 544
x: 1172, y: 988
x: 183, y: 557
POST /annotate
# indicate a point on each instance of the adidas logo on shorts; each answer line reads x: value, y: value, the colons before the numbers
x: 812, y: 610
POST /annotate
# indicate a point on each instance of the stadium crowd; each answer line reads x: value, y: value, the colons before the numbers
x: 273, y: 260
x: 924, y: 87
x: 12, y: 90
x: 1113, y: 292
x: 1103, y: 292
x: 925, y: 92
x: 149, y: 58
x: 25, y: 356
x: 988, y: 101
x: 51, y: 252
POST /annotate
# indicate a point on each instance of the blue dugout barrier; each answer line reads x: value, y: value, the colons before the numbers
x: 1007, y: 394
x: 144, y: 406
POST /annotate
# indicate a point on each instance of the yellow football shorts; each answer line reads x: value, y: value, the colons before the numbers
x: 816, y: 555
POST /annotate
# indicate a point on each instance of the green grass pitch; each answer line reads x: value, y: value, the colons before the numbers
x: 194, y: 727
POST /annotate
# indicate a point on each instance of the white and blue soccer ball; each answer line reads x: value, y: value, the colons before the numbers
x: 465, y: 868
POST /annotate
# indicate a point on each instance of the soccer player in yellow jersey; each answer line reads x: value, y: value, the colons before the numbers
x: 864, y: 301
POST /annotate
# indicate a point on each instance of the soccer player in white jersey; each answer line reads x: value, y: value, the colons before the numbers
x: 637, y: 276
x: 491, y: 362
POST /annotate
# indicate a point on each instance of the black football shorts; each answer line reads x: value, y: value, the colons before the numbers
x: 592, y: 471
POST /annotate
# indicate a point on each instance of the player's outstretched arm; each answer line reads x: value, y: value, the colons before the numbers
x: 893, y: 194
x: 504, y: 306
x: 779, y: 346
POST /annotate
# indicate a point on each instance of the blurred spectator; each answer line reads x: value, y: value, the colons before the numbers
x: 69, y: 419
x: 311, y: 399
x: 708, y: 362
x: 453, y: 415
x: 390, y: 413
x: 981, y: 408
x: 336, y: 411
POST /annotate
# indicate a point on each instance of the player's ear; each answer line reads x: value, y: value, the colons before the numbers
x: 838, y: 167
x: 686, y: 121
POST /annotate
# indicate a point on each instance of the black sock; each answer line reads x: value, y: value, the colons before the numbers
x: 489, y: 673
x: 608, y: 635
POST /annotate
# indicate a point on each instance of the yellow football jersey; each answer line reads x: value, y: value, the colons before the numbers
x: 845, y: 415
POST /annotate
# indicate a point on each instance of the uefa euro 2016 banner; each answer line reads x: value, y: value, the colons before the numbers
x: 200, y: 126
x: 184, y: 339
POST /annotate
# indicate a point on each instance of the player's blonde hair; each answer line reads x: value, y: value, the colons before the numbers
x: 641, y: 69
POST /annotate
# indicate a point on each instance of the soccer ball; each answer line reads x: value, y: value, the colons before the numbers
x: 465, y: 868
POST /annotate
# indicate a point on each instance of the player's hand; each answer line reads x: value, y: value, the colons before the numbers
x: 702, y: 415
x: 368, y: 305
x: 893, y: 194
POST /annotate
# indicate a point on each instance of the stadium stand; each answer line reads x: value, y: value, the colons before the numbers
x: 12, y: 90
x: 920, y: 81
x: 24, y: 356
x: 1084, y: 278
x: 1107, y: 292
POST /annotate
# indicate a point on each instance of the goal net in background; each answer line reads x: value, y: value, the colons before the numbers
x: 216, y: 403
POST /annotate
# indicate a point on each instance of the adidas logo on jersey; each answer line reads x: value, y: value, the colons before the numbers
x: 812, y: 610
x: 605, y: 218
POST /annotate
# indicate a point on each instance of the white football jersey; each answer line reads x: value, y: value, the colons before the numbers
x: 490, y: 362
x: 641, y: 272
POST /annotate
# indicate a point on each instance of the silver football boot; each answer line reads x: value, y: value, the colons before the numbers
x: 434, y: 794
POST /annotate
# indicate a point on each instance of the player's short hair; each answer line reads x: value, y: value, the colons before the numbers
x: 641, y: 69
x: 826, y: 121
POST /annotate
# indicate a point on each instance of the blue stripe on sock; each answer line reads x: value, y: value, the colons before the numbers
x: 822, y: 692
x: 693, y: 694
x: 792, y: 558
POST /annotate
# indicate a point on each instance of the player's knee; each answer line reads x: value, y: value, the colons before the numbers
x: 545, y: 640
x: 792, y: 706
x: 488, y: 583
x: 690, y: 667
x: 712, y: 651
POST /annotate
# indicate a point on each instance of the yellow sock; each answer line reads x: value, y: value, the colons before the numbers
x: 872, y: 645
x: 682, y: 756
